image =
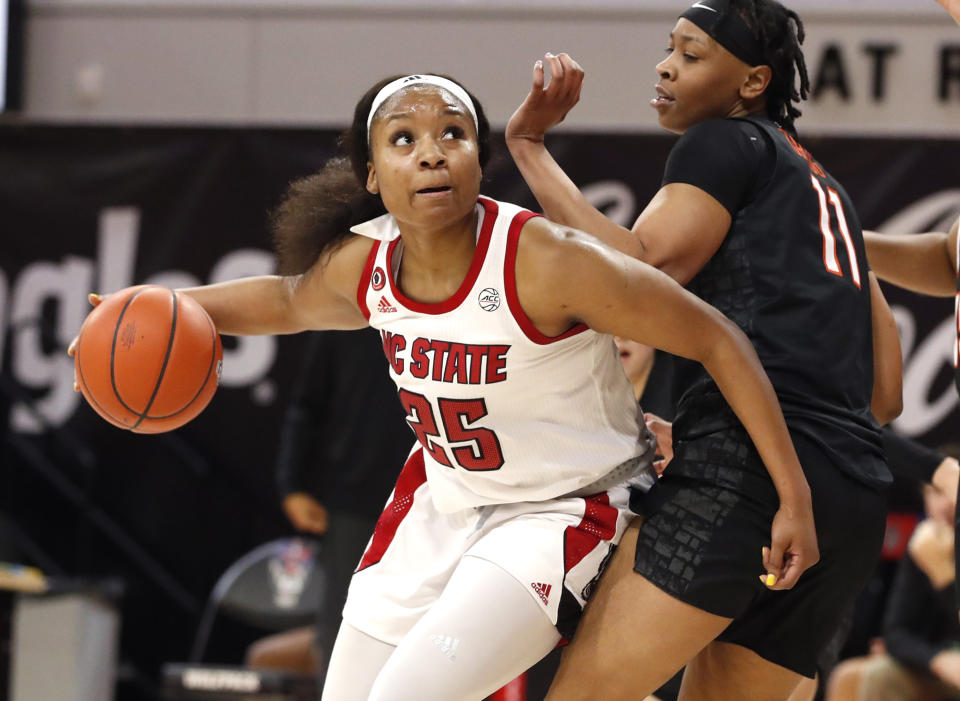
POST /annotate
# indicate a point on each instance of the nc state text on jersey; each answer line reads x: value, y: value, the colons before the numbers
x: 446, y: 361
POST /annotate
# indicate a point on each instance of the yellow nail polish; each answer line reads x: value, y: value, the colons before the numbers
x: 76, y: 387
x: 771, y: 580
x: 763, y: 579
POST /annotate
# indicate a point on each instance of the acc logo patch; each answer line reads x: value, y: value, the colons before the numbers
x: 489, y: 299
x: 378, y: 279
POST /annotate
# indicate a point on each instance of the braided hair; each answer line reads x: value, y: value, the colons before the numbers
x: 780, y: 33
x: 317, y: 211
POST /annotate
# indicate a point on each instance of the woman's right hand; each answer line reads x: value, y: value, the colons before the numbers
x: 545, y: 108
x: 793, y: 544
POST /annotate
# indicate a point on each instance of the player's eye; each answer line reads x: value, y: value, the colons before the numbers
x: 401, y: 138
x: 453, y: 132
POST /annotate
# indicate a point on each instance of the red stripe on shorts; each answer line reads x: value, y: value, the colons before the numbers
x: 599, y: 523
x: 411, y: 477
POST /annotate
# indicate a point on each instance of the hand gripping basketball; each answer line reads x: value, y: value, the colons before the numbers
x: 147, y: 358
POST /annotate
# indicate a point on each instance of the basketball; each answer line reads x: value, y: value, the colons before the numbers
x: 148, y: 359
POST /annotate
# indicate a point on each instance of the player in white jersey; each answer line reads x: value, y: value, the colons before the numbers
x: 494, y: 323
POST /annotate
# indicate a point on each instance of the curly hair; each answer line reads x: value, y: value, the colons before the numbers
x: 780, y: 33
x: 316, y: 212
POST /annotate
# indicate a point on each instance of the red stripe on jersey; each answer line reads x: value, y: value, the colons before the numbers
x: 510, y: 282
x: 411, y: 477
x: 599, y: 523
x: 514, y: 691
x: 365, y: 280
x: 490, y: 209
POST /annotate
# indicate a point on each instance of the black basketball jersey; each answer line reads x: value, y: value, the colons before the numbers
x: 792, y: 274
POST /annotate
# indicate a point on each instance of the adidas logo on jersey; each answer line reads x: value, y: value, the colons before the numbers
x: 385, y: 307
x: 448, y: 645
x: 543, y: 591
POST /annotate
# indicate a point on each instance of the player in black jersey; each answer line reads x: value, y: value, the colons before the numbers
x: 748, y: 220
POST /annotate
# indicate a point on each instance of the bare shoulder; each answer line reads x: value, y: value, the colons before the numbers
x: 341, y: 269
x: 541, y: 231
x: 546, y: 267
x: 552, y: 248
x: 556, y: 265
x: 329, y: 288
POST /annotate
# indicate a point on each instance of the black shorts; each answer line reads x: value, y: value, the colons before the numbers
x: 708, y: 517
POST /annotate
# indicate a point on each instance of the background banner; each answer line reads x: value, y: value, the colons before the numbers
x: 100, y: 208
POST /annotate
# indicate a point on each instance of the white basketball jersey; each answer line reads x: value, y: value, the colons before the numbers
x: 504, y: 413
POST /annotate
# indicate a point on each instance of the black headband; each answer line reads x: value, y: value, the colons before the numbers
x: 732, y: 33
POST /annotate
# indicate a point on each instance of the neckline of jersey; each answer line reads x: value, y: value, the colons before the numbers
x: 488, y: 218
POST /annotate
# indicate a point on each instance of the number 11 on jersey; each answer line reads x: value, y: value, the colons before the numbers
x: 829, y: 239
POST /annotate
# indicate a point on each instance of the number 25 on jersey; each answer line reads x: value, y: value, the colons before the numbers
x: 481, y: 449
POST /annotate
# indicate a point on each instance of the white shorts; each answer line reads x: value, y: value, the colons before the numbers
x: 556, y: 549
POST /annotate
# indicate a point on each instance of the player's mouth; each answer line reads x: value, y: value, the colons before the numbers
x: 663, y: 98
x: 435, y: 192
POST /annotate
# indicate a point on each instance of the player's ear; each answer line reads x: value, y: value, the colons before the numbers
x: 372, y: 186
x: 756, y: 82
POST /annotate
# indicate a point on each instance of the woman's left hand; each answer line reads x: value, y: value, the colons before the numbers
x: 545, y: 108
x: 793, y: 545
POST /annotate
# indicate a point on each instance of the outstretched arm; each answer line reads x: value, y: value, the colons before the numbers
x: 925, y: 263
x: 324, y: 297
x: 557, y: 194
x: 555, y: 265
x: 677, y: 232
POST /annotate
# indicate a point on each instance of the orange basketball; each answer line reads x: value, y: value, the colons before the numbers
x: 148, y: 359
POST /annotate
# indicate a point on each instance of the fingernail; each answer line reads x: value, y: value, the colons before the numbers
x: 764, y: 551
x: 763, y: 579
x: 76, y: 387
x: 539, y: 64
x: 93, y: 297
x: 549, y: 55
x: 771, y: 580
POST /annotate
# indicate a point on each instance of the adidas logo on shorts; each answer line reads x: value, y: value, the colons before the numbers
x: 385, y: 306
x: 543, y: 591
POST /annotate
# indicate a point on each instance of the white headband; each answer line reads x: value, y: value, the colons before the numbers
x: 390, y: 88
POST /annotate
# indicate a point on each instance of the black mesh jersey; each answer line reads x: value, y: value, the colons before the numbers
x: 792, y: 274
